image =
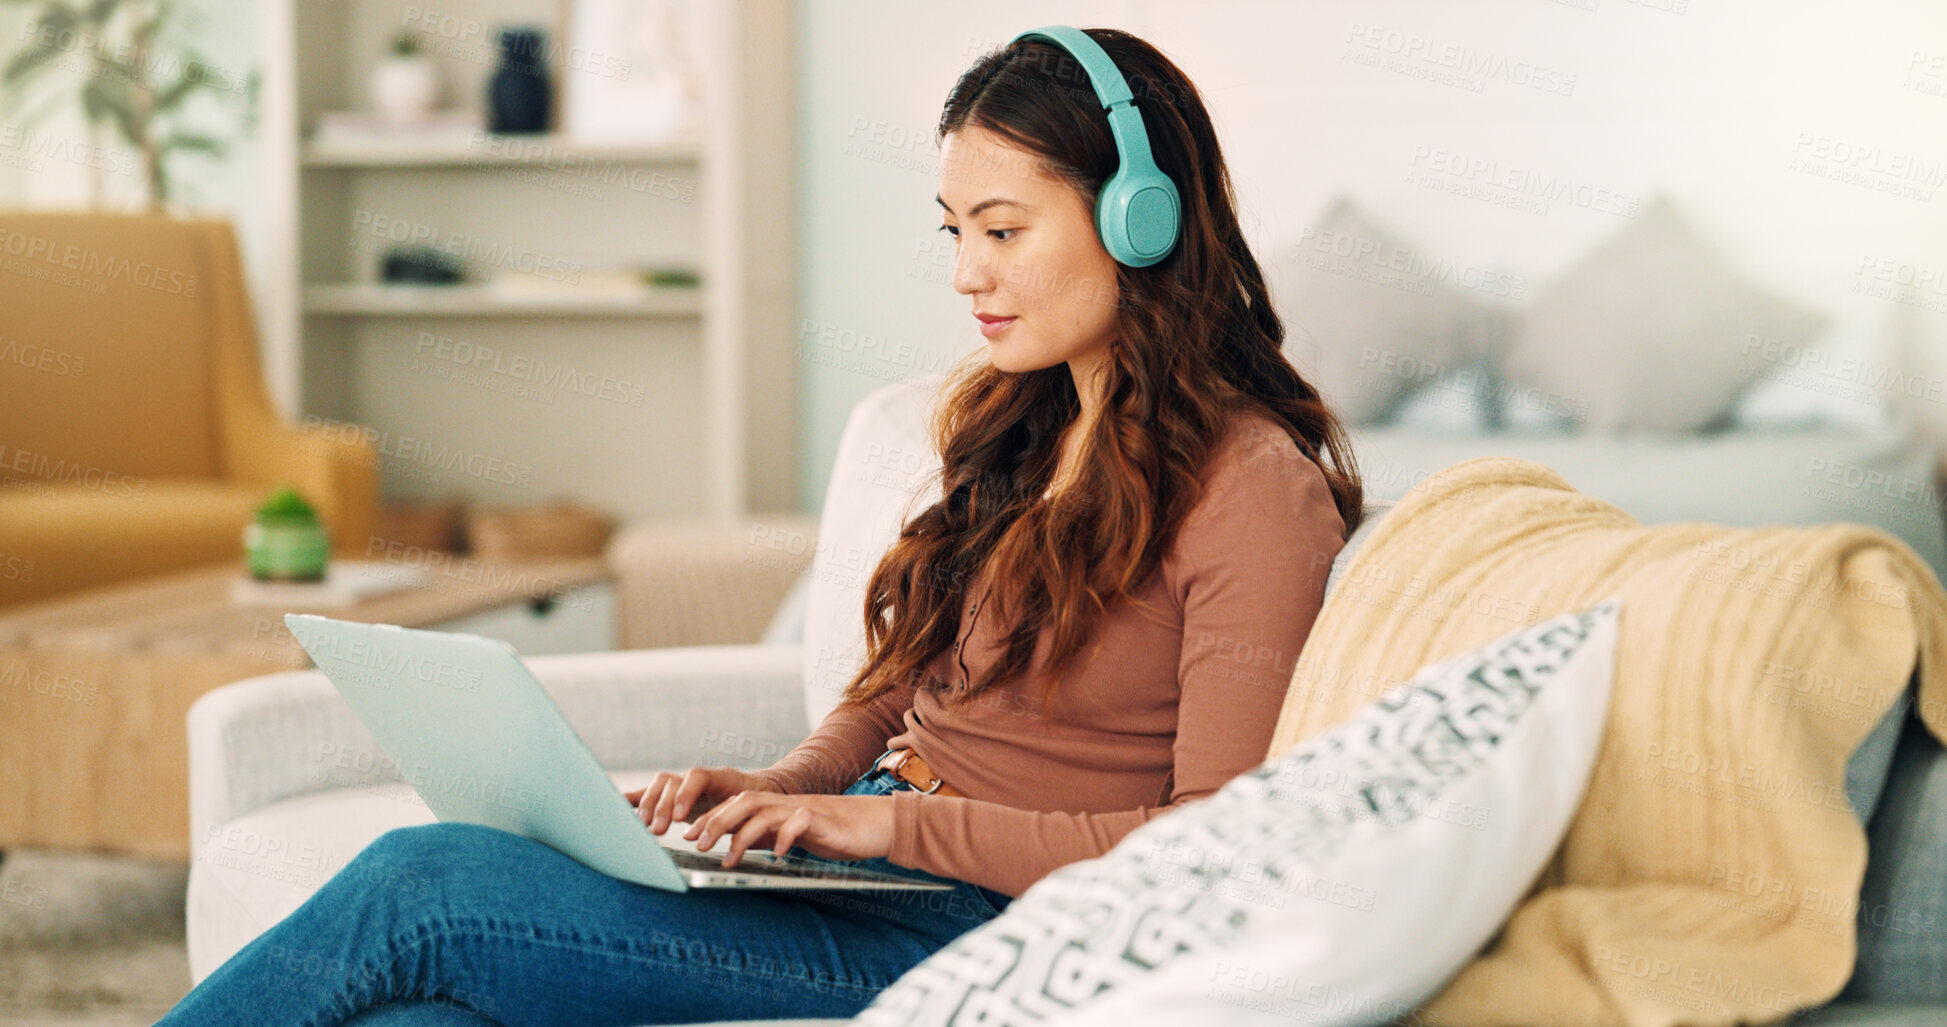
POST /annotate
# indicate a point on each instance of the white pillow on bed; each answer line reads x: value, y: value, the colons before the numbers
x: 1341, y: 882
x: 1652, y: 330
x: 1368, y: 334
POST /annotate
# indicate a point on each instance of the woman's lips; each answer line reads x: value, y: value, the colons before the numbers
x: 993, y: 328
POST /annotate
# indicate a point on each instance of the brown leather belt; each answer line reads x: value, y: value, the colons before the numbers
x: 906, y: 765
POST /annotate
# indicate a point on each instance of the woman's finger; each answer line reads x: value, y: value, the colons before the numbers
x: 652, y: 803
x: 761, y: 824
x: 793, y: 828
x: 722, y: 819
x: 695, y: 785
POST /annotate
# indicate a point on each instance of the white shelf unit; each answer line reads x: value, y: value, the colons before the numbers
x: 374, y: 300
x: 463, y: 150
x: 709, y: 425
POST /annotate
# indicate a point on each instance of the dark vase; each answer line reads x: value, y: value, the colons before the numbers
x: 518, y: 94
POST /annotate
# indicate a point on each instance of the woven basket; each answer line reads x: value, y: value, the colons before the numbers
x: 559, y: 530
x: 433, y: 526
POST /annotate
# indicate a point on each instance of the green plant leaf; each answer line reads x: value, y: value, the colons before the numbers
x: 61, y: 18
x: 56, y: 10
x: 109, y: 101
x: 117, y: 72
x: 27, y: 62
x: 174, y: 93
x: 53, y: 23
x: 58, y: 18
x: 286, y: 505
x: 94, y: 102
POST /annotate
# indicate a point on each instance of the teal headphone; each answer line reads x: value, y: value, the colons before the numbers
x: 1137, y: 211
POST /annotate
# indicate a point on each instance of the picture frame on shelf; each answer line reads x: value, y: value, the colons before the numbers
x: 628, y: 70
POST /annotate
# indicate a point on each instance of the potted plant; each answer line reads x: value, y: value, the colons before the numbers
x: 405, y: 85
x: 141, y: 82
x: 285, y: 542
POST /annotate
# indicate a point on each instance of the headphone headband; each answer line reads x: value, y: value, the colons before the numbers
x: 1109, y: 84
x: 1137, y: 213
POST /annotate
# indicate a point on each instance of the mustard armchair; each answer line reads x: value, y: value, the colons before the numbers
x: 136, y: 435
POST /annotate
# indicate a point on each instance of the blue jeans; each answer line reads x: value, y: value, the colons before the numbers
x: 466, y: 925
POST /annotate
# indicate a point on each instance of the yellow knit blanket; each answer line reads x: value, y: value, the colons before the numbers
x: 1713, y: 871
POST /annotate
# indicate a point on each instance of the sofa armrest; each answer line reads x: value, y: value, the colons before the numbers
x: 336, y: 470
x: 705, y: 582
x: 270, y: 738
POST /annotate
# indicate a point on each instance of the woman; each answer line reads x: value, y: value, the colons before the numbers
x: 1137, y: 478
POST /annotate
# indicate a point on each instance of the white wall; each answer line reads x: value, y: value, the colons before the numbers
x: 1723, y: 103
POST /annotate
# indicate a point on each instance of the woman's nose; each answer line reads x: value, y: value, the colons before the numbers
x: 972, y: 272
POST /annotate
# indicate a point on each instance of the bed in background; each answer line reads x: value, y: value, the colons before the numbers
x: 1877, y: 476
x: 1650, y: 373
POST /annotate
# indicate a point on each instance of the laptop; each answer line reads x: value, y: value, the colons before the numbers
x: 480, y: 740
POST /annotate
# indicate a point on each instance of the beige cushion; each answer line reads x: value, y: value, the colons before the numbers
x: 1371, y: 319
x: 1650, y: 330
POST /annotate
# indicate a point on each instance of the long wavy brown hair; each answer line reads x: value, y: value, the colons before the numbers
x: 1197, y: 341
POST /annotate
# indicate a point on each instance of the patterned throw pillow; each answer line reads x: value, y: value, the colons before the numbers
x: 1341, y: 882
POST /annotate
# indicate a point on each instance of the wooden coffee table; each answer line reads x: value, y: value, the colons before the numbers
x: 94, y: 687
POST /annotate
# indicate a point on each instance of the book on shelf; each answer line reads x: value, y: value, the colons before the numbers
x: 354, y: 128
x: 594, y: 283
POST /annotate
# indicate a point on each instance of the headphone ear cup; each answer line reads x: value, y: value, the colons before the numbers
x: 1138, y: 216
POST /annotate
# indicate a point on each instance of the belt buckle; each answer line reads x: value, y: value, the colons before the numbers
x: 899, y: 762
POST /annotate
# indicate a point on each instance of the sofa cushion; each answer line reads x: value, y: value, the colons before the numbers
x: 1902, y: 915
x: 886, y: 470
x: 1314, y: 869
x: 104, y: 529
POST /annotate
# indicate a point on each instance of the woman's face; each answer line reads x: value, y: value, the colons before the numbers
x: 1026, y: 251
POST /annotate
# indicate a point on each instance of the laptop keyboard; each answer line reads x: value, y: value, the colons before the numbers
x: 757, y: 862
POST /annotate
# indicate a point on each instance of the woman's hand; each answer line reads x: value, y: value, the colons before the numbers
x: 843, y: 827
x: 674, y: 796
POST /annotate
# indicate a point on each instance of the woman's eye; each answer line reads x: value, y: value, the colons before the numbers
x: 999, y: 234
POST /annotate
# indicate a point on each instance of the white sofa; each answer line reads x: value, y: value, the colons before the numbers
x: 283, y: 789
x: 286, y: 785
